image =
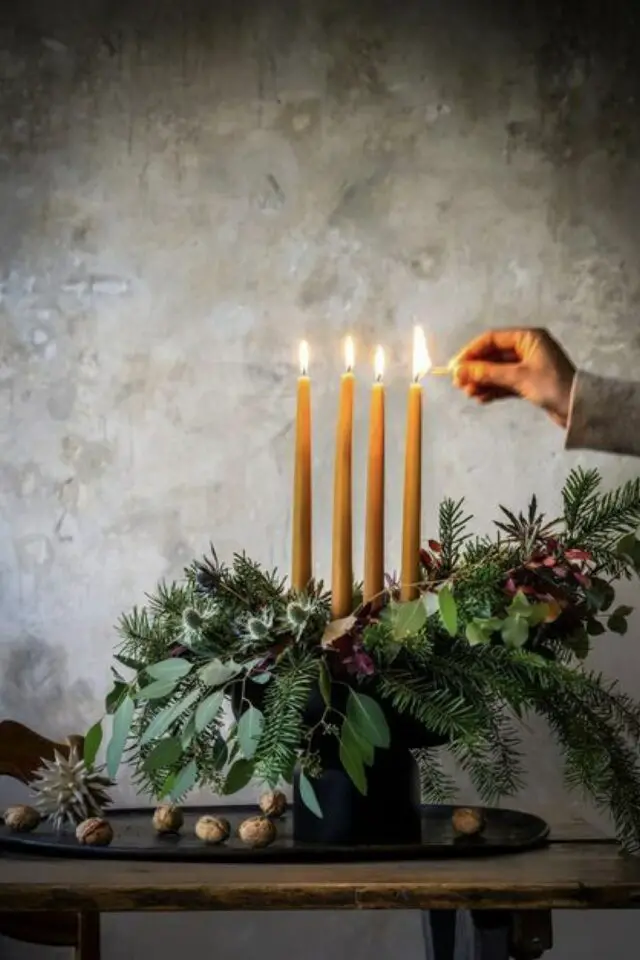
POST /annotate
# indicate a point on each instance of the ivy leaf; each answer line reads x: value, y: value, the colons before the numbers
x: 163, y: 720
x: 92, y: 742
x: 600, y: 594
x: 185, y: 781
x: 115, y: 696
x: 448, y: 610
x: 324, y: 683
x: 407, y: 618
x: 308, y: 795
x: 172, y: 669
x: 515, y: 631
x: 538, y: 613
x: 216, y: 673
x: 578, y: 643
x: 351, y: 760
x: 594, y: 627
x: 156, y: 690
x: 617, y: 624
x: 122, y: 719
x: 208, y: 710
x: 622, y: 611
x: 164, y: 754
x: 519, y: 606
x: 368, y: 719
x: 239, y: 776
x: 250, y: 726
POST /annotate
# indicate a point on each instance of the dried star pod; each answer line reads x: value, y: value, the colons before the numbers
x: 21, y: 818
x: 468, y: 821
x: 68, y: 792
x: 257, y: 832
x: 273, y: 803
x: 211, y: 829
x: 94, y: 832
x: 167, y: 818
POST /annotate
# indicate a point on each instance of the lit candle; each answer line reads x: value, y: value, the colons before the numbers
x: 411, y: 513
x: 374, y: 530
x: 301, y: 534
x: 342, y: 565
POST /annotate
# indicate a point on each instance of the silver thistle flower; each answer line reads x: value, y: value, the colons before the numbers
x: 298, y: 613
x: 258, y: 629
x: 68, y: 792
x: 194, y: 622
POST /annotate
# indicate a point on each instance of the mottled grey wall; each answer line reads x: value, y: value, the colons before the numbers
x: 185, y: 192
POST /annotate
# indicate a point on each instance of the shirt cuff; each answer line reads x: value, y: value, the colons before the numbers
x: 604, y: 415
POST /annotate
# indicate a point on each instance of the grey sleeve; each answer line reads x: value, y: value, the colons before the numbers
x: 604, y: 415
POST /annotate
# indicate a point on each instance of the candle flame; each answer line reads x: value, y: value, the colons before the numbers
x: 304, y: 358
x: 378, y: 364
x: 421, y: 358
x: 349, y: 354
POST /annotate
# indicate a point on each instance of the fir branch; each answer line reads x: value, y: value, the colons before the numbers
x: 436, y: 786
x: 452, y: 534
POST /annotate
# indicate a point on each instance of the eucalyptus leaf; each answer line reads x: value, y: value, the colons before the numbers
x: 308, y: 795
x: 368, y: 719
x: 261, y: 678
x: 353, y: 741
x: 129, y: 662
x: 515, y: 631
x: 219, y: 753
x: 250, y: 726
x: 238, y: 777
x: 324, y: 682
x: 208, y: 710
x: 156, y: 690
x: 172, y: 669
x: 448, y: 610
x: 188, y: 732
x: 122, y: 720
x: 595, y: 628
x: 164, y: 754
x: 92, y: 742
x: 185, y: 781
x: 617, y: 624
x: 163, y: 720
x: 622, y: 611
x: 115, y: 696
x: 407, y: 618
x: 431, y: 603
x: 216, y: 672
x: 351, y: 760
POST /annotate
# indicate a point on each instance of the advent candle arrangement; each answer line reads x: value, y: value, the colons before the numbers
x: 342, y: 553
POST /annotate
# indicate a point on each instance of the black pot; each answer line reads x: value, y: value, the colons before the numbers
x: 389, y: 814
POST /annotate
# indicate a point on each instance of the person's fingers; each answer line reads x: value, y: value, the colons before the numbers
x: 492, y: 345
x: 488, y: 376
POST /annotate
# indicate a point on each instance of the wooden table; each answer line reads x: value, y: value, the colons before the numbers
x: 518, y: 891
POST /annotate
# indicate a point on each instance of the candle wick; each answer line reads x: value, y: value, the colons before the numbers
x: 379, y: 378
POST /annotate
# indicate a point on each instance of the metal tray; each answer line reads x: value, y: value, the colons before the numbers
x: 506, y: 831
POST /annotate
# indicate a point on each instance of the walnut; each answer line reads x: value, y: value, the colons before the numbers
x: 21, y: 819
x: 468, y: 821
x: 273, y: 803
x: 94, y: 832
x: 257, y: 832
x: 168, y: 818
x: 212, y: 829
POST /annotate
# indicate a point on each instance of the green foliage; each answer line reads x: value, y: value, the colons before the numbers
x: 500, y: 631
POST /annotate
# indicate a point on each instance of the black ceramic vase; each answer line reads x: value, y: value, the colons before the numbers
x: 390, y: 812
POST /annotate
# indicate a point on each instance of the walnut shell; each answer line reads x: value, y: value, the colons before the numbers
x: 94, y: 832
x: 21, y: 819
x: 468, y: 821
x: 168, y: 818
x: 211, y: 829
x: 273, y: 803
x: 257, y: 832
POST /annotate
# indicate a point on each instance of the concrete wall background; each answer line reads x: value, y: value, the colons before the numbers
x: 186, y: 191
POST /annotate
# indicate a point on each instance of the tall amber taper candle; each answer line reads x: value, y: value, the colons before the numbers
x: 412, y: 503
x: 374, y: 529
x: 301, y: 533
x: 342, y: 560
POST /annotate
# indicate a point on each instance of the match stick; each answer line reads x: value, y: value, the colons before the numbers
x: 441, y: 371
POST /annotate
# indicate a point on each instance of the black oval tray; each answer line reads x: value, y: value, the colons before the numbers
x: 506, y: 831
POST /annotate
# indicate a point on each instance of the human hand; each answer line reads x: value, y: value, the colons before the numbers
x: 517, y: 363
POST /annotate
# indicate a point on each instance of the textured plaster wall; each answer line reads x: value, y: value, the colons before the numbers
x: 185, y: 193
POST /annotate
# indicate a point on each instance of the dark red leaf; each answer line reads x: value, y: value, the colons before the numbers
x: 435, y: 546
x: 575, y: 554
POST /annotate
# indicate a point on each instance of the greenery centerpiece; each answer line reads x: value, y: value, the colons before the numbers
x: 501, y: 629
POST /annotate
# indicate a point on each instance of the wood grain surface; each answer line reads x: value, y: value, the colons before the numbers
x: 564, y: 875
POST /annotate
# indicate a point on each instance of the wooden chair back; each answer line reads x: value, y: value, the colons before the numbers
x: 22, y: 750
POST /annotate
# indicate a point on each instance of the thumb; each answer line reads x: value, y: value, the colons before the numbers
x: 488, y: 376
